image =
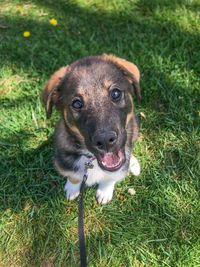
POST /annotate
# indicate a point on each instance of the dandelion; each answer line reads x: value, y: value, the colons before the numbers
x: 19, y: 9
x: 26, y: 34
x: 53, y: 22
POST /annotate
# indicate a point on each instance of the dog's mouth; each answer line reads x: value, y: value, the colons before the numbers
x: 111, y: 161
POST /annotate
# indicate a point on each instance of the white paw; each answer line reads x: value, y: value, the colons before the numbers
x: 134, y: 166
x: 105, y: 193
x: 72, y: 190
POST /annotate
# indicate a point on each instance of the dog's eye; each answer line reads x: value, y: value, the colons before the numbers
x: 77, y: 104
x: 116, y: 95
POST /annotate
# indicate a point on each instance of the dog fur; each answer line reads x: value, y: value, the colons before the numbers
x: 94, y: 122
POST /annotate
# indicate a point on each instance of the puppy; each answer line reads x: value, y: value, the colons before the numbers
x: 94, y: 96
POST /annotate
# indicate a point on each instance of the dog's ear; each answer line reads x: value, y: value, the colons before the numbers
x: 130, y: 70
x: 50, y: 93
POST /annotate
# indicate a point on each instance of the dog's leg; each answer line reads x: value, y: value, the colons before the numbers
x: 72, y: 189
x: 105, y: 192
x: 134, y: 166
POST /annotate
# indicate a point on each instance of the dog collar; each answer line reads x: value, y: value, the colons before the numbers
x: 76, y: 147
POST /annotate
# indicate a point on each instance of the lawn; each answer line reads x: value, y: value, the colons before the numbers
x: 160, y: 224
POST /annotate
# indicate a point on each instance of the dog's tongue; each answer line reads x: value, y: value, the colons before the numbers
x: 112, y: 160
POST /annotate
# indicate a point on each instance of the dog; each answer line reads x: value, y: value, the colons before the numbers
x: 94, y: 97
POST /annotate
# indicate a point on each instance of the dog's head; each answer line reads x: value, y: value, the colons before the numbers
x: 94, y: 95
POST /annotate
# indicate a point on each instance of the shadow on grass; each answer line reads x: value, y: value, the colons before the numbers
x: 159, y: 47
x: 23, y: 171
x: 29, y: 176
x: 84, y: 32
x: 33, y: 191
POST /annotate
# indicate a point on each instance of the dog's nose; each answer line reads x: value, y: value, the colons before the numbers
x: 104, y: 140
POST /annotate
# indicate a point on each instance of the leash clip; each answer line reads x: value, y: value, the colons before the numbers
x: 88, y: 165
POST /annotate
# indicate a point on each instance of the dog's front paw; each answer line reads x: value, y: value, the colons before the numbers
x: 105, y: 193
x: 134, y: 166
x: 72, y: 190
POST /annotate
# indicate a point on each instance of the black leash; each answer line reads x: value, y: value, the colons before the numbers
x: 81, y: 236
x: 82, y: 248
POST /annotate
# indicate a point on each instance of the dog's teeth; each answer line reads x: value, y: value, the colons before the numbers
x: 111, y: 166
x: 103, y: 163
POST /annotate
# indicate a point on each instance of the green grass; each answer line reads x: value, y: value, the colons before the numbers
x: 160, y: 225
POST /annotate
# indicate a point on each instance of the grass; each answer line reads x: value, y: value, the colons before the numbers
x: 159, y: 226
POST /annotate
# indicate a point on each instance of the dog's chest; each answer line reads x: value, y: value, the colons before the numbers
x: 97, y: 175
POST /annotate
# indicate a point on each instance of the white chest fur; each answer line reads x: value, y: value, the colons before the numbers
x: 96, y: 175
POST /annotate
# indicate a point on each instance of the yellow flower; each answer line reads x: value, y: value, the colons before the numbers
x: 53, y: 22
x: 26, y: 34
x: 19, y: 9
x: 198, y: 112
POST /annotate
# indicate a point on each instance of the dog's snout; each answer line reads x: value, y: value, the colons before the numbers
x: 105, y: 140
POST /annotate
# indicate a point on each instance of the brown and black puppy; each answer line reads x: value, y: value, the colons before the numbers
x: 94, y: 96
